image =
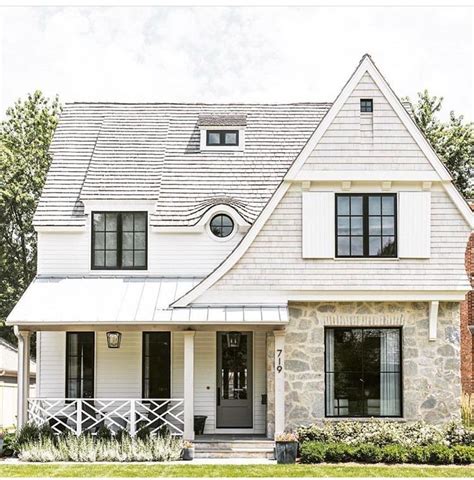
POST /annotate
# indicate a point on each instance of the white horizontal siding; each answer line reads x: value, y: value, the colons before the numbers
x: 51, y: 364
x: 274, y: 260
x: 118, y: 371
x: 347, y: 146
x: 169, y: 254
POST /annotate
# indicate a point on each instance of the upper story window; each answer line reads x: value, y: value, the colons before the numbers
x: 221, y: 225
x: 222, y: 138
x: 366, y: 225
x: 366, y: 105
x: 119, y: 240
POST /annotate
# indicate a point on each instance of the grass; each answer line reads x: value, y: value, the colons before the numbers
x: 161, y: 470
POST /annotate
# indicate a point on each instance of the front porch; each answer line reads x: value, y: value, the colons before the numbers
x: 199, y: 384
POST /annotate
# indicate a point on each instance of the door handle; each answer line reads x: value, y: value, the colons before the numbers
x: 218, y: 396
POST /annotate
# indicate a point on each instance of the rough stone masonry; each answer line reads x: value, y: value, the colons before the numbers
x: 430, y: 369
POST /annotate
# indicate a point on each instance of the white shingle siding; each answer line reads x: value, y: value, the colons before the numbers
x: 344, y: 147
x: 274, y: 261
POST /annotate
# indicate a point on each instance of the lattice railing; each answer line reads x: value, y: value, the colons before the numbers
x: 88, y: 415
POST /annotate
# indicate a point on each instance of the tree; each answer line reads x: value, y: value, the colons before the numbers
x: 453, y: 141
x: 25, y: 136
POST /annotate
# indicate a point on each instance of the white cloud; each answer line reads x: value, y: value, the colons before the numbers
x: 233, y: 54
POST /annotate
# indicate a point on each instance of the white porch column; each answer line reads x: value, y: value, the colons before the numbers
x: 279, y: 381
x: 189, y: 385
x: 23, y: 376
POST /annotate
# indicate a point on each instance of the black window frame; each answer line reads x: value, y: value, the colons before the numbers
x: 144, y: 334
x: 68, y: 355
x: 365, y: 224
x: 221, y: 225
x: 119, y: 265
x: 366, y: 105
x: 222, y: 138
x: 400, y: 380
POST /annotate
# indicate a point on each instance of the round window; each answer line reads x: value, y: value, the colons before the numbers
x: 222, y: 225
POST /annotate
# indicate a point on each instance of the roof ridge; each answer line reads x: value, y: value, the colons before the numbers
x: 201, y: 103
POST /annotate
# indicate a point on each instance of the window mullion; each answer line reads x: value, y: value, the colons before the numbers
x: 119, y: 240
x: 365, y: 224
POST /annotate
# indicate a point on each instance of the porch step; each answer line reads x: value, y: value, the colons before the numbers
x: 234, y: 449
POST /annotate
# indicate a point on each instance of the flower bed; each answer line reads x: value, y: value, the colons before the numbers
x: 387, y: 442
x: 40, y: 445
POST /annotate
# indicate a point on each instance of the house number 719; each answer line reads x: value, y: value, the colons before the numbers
x: 279, y: 365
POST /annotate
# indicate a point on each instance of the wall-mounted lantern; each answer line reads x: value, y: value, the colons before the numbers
x: 233, y: 339
x: 114, y: 339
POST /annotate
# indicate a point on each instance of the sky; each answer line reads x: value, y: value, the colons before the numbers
x: 233, y: 54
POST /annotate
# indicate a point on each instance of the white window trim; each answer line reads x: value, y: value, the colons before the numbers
x: 222, y: 148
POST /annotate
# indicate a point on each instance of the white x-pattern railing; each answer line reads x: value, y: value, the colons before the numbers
x: 88, y: 415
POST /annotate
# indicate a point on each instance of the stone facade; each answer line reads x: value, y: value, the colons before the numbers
x: 430, y: 369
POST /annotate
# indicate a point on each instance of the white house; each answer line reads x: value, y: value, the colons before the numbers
x: 264, y: 265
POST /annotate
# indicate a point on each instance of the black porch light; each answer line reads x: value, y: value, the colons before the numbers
x: 233, y: 339
x: 114, y: 339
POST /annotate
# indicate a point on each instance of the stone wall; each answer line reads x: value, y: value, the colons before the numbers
x: 431, y: 369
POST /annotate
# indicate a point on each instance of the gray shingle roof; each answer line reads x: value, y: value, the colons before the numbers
x: 152, y: 152
x: 222, y: 120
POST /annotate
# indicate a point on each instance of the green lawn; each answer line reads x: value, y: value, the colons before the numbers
x: 157, y: 470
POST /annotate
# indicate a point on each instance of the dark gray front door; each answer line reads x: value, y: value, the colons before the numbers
x: 234, y: 381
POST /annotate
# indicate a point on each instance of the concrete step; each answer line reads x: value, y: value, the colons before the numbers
x: 234, y: 449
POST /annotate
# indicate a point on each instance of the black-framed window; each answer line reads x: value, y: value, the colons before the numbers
x: 221, y: 225
x: 119, y: 241
x: 363, y: 372
x: 366, y: 105
x: 80, y: 348
x: 366, y: 225
x: 227, y: 138
x: 156, y: 352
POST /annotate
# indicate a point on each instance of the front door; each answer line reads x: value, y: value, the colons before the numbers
x: 234, y: 380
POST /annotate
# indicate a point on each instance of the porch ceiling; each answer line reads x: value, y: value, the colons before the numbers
x: 127, y: 301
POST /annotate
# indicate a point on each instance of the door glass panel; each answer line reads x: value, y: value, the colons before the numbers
x: 234, y: 369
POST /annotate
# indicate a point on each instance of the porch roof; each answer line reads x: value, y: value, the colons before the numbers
x: 75, y: 300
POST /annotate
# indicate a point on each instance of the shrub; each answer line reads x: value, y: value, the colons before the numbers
x: 368, y: 453
x: 313, y: 452
x: 86, y: 448
x: 382, y: 432
x: 317, y: 452
x: 104, y: 433
x: 395, y: 454
x: 463, y: 454
x: 339, y: 452
x: 440, y: 454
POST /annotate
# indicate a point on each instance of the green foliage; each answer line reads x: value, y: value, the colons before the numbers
x: 25, y: 136
x: 104, y: 433
x: 86, y: 448
x: 463, y: 454
x: 31, y: 433
x: 437, y: 454
x: 378, y: 432
x: 313, y: 452
x: 453, y: 141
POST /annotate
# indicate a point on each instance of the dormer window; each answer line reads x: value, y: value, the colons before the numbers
x: 222, y: 132
x: 222, y: 138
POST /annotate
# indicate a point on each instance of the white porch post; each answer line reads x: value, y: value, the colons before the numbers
x: 23, y: 378
x: 189, y: 385
x: 279, y: 381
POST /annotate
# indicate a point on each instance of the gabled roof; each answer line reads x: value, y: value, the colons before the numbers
x: 365, y: 65
x: 152, y: 152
